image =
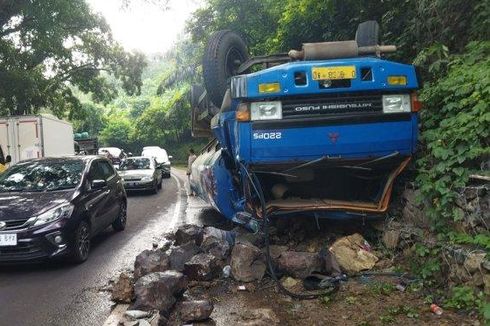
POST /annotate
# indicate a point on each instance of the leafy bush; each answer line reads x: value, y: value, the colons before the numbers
x: 455, y: 130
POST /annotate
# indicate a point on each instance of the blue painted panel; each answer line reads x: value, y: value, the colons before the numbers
x: 284, y: 74
x: 348, y: 141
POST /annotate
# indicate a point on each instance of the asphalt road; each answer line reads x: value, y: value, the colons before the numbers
x: 67, y: 294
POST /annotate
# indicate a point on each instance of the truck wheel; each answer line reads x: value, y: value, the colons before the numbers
x: 224, y: 53
x: 367, y: 33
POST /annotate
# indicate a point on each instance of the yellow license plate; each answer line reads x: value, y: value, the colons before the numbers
x: 341, y: 72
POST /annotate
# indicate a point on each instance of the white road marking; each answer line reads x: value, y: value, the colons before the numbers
x: 178, y: 205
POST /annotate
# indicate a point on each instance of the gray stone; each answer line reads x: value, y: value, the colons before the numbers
x: 137, y: 314
x: 275, y: 251
x: 219, y: 248
x: 247, y: 262
x: 299, y: 264
x: 187, y: 233
x: 245, y: 236
x: 182, y: 254
x: 158, y: 291
x: 123, y: 289
x: 202, y: 267
x: 474, y: 261
x: 412, y: 211
x: 150, y: 261
x: 197, y: 310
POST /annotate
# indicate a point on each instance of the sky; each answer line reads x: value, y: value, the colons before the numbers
x: 145, y: 26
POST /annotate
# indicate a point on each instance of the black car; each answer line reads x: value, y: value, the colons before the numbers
x: 52, y: 207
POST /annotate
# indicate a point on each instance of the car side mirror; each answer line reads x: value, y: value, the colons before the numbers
x: 98, y: 184
x: 8, y: 159
x: 170, y: 157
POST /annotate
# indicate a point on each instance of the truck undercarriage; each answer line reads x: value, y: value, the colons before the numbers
x: 354, y: 186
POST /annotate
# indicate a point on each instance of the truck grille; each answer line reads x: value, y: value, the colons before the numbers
x: 332, y: 104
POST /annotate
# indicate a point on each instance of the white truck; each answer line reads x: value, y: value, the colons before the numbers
x: 34, y: 136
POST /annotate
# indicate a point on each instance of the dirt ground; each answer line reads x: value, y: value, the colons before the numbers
x: 361, y: 301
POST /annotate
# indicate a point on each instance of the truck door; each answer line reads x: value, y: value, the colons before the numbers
x: 4, y: 137
x: 28, y: 138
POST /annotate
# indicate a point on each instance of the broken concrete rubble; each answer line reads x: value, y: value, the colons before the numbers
x: 123, y: 290
x: 159, y: 290
x: 150, y: 261
x: 299, y: 264
x: 202, y: 267
x: 247, y: 262
x: 353, y: 255
x: 196, y: 310
x: 187, y: 233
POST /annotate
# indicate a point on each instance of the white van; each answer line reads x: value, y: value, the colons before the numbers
x: 161, y: 156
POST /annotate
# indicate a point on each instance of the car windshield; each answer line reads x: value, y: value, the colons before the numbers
x: 42, y: 176
x: 136, y: 164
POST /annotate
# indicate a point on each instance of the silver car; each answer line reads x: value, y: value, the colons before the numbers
x: 141, y: 173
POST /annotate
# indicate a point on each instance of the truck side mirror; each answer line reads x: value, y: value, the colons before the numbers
x: 8, y: 159
x: 170, y: 157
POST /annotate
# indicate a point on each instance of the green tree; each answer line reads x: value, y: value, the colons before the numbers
x: 89, y: 118
x: 47, y: 45
x: 117, y: 132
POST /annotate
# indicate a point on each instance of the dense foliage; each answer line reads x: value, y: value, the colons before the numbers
x: 456, y: 123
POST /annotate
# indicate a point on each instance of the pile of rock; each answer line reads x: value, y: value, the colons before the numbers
x: 161, y: 276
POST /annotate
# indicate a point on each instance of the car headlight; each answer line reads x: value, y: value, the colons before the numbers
x: 396, y: 103
x: 145, y: 179
x: 266, y: 110
x: 62, y: 211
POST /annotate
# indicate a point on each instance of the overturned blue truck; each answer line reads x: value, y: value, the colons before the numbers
x: 322, y: 131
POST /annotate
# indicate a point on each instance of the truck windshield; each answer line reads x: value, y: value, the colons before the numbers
x: 42, y: 176
x: 135, y: 164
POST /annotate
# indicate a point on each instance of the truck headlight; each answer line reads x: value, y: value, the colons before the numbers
x: 62, y: 211
x: 266, y: 110
x: 396, y: 103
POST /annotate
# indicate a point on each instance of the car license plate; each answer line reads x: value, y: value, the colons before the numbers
x: 8, y: 240
x: 340, y: 72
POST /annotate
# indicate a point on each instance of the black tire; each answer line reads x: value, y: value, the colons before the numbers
x: 81, y: 242
x: 155, y: 189
x: 160, y: 184
x: 224, y: 53
x: 367, y: 33
x: 119, y: 223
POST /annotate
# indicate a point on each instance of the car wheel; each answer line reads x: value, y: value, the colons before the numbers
x: 160, y: 184
x: 155, y: 189
x: 81, y: 242
x: 120, y: 223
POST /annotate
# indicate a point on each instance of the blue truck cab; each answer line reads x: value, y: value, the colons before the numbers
x: 325, y: 136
